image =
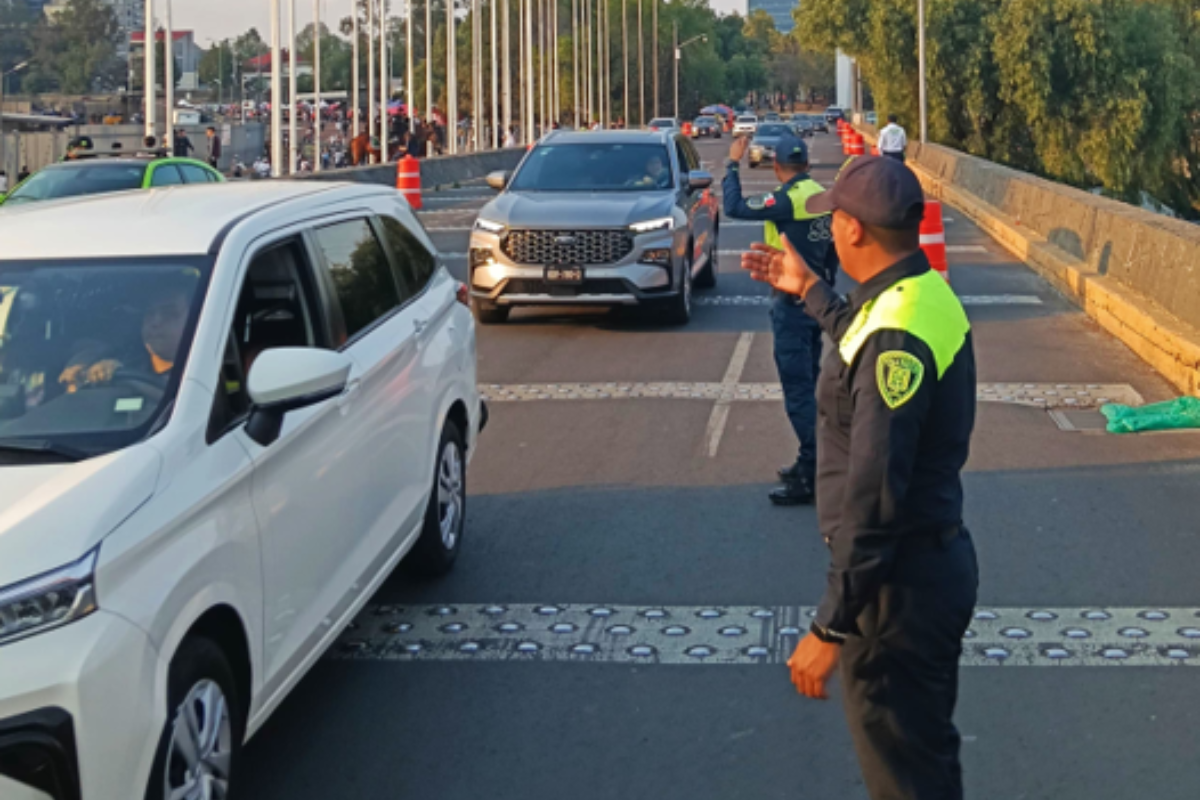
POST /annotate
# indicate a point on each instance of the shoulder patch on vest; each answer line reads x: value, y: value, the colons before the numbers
x: 899, y: 376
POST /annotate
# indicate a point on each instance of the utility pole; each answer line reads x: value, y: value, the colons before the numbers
x: 493, y: 47
x: 293, y: 144
x: 654, y: 54
x: 477, y: 106
x: 625, y: 56
x: 556, y: 85
x: 169, y: 82
x: 370, y: 126
x: 641, y: 67
x: 317, y: 84
x: 149, y: 81
x: 276, y: 91
x: 589, y: 75
x: 385, y: 83
x: 921, y: 65
x: 354, y: 90
x: 506, y: 54
x: 410, y: 74
x: 451, y: 80
x: 675, y: 51
x: 530, y: 106
x: 575, y: 58
x: 428, y: 71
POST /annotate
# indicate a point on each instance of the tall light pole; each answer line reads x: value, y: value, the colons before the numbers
x: 678, y: 55
x: 317, y: 83
x: 654, y: 54
x: 921, y: 65
x: 451, y: 79
x: 625, y: 55
x: 169, y: 81
x: 428, y: 67
x: 149, y: 81
x: 506, y: 54
x: 3, y: 143
x: 641, y: 67
x: 385, y: 83
x: 494, y: 52
x: 354, y: 90
x: 477, y: 104
x: 370, y: 126
x: 293, y: 144
x: 276, y: 92
x: 410, y: 74
x: 589, y: 75
x: 575, y: 58
x: 531, y: 134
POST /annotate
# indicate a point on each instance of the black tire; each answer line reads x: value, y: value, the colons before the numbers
x: 679, y: 307
x: 707, y: 278
x: 433, y: 554
x: 198, y: 661
x: 490, y: 313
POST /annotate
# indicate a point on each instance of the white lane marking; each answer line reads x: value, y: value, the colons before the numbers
x: 733, y: 375
x: 966, y: 299
x: 1035, y: 395
x: 599, y: 633
x: 966, y: 248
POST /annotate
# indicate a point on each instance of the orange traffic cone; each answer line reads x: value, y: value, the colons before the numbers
x: 408, y: 180
x: 933, y: 238
x: 856, y: 144
x: 874, y: 149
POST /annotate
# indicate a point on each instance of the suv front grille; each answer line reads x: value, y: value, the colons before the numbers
x: 567, y: 247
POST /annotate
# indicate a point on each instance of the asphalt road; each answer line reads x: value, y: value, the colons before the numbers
x: 543, y: 667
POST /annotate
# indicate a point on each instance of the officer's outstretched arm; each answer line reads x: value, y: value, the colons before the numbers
x: 892, y: 391
x: 773, y: 206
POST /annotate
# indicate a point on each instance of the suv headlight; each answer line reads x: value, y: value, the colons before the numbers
x: 663, y: 224
x: 49, y: 600
x: 487, y: 226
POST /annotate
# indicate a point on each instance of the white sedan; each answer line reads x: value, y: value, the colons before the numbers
x: 226, y: 413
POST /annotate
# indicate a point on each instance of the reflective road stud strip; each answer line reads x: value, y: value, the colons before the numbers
x: 1036, y: 395
x: 599, y: 633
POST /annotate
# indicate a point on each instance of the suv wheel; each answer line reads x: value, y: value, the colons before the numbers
x: 490, y: 313
x: 437, y: 548
x: 679, y: 312
x: 202, y: 741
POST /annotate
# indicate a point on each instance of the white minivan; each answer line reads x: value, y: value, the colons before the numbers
x: 226, y: 413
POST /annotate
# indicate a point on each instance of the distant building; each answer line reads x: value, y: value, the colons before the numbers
x: 129, y: 14
x: 187, y: 55
x: 780, y: 11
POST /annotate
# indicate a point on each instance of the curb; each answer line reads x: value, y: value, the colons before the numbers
x: 1169, y: 345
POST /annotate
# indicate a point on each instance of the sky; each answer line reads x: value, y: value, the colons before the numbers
x: 218, y: 19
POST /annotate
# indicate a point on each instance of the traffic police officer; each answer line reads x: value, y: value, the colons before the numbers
x: 896, y: 409
x: 797, y: 335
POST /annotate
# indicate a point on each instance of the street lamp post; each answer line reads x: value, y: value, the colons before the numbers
x: 654, y: 54
x: 3, y: 141
x: 149, y: 80
x: 678, y: 55
x: 625, y: 56
x: 354, y: 71
x: 385, y: 83
x: 921, y: 65
x: 505, y: 47
x: 641, y: 68
x: 169, y: 81
x: 293, y: 144
x: 317, y: 84
x: 276, y: 92
x: 494, y: 51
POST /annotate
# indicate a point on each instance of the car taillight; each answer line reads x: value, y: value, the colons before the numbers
x: 463, y: 295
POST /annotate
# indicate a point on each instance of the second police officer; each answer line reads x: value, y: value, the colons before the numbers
x: 797, y: 337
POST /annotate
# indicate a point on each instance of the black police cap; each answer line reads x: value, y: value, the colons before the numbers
x: 791, y: 150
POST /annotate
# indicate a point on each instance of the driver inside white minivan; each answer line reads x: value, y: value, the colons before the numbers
x: 163, y: 323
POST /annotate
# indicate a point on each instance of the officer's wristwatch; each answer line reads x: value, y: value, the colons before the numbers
x: 826, y: 635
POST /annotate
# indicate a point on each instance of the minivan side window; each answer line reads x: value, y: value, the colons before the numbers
x: 416, y: 264
x: 362, y: 276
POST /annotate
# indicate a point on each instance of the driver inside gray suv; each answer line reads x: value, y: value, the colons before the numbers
x: 658, y: 174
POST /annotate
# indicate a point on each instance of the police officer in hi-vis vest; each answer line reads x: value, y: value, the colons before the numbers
x: 896, y: 403
x: 797, y: 335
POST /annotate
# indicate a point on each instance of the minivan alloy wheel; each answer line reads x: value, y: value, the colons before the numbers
x: 451, y: 498
x: 199, y: 756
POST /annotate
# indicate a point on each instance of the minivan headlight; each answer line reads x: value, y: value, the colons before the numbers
x: 48, y: 601
x: 663, y: 224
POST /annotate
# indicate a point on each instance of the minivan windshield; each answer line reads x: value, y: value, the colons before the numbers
x: 75, y: 179
x: 91, y: 351
x: 595, y: 167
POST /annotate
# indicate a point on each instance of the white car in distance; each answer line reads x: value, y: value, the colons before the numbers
x: 745, y: 125
x: 226, y: 413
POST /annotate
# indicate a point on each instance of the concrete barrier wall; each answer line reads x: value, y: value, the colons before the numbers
x: 439, y: 171
x: 1137, y: 273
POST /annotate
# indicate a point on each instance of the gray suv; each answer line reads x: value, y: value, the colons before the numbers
x: 610, y: 218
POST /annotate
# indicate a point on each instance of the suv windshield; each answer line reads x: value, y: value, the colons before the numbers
x: 594, y: 167
x: 771, y: 130
x: 71, y: 180
x: 91, y: 351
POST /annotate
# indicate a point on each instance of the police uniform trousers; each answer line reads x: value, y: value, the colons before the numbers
x: 797, y: 347
x: 900, y: 677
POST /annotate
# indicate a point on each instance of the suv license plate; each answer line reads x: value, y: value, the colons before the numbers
x: 564, y: 274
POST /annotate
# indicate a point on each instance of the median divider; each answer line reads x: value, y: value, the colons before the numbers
x: 437, y: 172
x: 1135, y: 272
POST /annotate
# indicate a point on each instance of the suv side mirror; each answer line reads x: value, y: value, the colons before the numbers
x: 498, y: 180
x: 285, y: 379
x: 699, y: 179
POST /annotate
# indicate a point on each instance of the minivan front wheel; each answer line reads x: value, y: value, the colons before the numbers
x: 202, y: 741
x: 445, y: 515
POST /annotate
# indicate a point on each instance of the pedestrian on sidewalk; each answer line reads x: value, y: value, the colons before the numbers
x: 897, y: 408
x: 182, y: 144
x: 892, y: 140
x: 797, y: 336
x: 214, y: 147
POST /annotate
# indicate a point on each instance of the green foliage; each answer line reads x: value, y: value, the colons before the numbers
x: 1088, y: 92
x: 74, y: 52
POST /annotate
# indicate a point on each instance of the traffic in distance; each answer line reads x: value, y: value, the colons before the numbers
x: 219, y: 436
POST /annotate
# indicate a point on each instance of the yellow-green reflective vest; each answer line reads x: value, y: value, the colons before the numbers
x: 798, y: 193
x: 924, y: 306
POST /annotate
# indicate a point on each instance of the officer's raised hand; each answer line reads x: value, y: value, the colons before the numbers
x: 738, y: 148
x: 785, y: 270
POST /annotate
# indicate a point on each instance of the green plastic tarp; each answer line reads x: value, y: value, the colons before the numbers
x: 1182, y: 412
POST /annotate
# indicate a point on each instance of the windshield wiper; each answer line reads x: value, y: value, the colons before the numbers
x: 42, y: 447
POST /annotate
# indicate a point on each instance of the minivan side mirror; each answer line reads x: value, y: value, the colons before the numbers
x: 699, y: 179
x: 498, y: 180
x: 285, y: 379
